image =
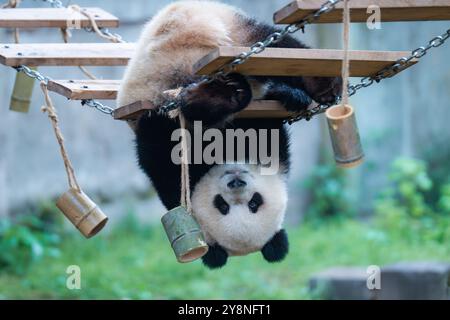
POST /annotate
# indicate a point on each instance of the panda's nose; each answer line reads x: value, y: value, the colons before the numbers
x: 236, y: 183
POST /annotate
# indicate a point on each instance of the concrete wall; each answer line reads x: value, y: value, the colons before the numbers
x: 396, y: 117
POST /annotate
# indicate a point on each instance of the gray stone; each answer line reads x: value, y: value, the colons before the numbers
x: 415, y: 281
x: 341, y: 283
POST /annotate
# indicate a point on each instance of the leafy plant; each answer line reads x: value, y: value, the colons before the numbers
x: 329, y: 195
x: 26, y: 240
x: 403, y: 205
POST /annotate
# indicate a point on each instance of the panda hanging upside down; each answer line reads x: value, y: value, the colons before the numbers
x: 239, y: 209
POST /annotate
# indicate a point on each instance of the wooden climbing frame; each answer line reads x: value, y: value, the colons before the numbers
x: 271, y: 62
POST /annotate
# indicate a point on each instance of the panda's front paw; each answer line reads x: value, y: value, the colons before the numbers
x: 293, y: 99
x: 323, y: 90
x: 214, y: 101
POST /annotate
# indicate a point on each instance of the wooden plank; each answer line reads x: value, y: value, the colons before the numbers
x: 55, y: 18
x: 301, y: 62
x: 66, y: 54
x: 391, y: 10
x: 85, y: 89
x: 256, y: 109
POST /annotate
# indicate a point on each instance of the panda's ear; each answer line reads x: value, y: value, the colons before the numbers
x: 277, y: 247
x: 216, y: 257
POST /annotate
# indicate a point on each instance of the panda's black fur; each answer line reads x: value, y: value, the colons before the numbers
x: 214, y: 104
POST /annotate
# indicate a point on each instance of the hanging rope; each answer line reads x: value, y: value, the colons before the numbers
x: 13, y: 4
x: 345, y: 62
x: 107, y: 36
x: 66, y: 36
x: 185, y: 180
x: 51, y: 112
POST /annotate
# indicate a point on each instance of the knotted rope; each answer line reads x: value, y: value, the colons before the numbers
x: 51, y: 112
x: 185, y: 180
x: 13, y: 4
x: 94, y: 25
x: 345, y: 62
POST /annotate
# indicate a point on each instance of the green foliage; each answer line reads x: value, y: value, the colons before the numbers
x: 28, y: 238
x: 329, y: 195
x: 24, y: 242
x: 410, y: 182
x: 437, y: 159
x: 444, y: 200
x: 141, y: 265
x: 403, y: 205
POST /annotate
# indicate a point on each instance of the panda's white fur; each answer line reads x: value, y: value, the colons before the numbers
x: 240, y: 231
x: 176, y: 38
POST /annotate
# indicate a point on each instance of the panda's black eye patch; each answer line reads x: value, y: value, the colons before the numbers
x: 221, y: 204
x: 255, y: 202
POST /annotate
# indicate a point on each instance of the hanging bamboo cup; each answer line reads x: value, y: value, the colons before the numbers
x: 342, y: 125
x: 84, y: 214
x: 183, y: 231
x: 75, y: 204
x: 344, y: 134
x: 21, y: 96
x: 184, y: 235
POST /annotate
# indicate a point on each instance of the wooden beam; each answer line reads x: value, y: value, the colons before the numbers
x: 256, y: 109
x: 55, y: 18
x: 391, y: 10
x: 85, y: 89
x: 301, y: 62
x: 66, y: 54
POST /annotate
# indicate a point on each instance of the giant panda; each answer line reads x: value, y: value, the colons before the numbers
x: 240, y: 210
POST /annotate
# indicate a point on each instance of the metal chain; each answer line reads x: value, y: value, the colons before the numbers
x: 41, y: 78
x: 400, y: 64
x: 33, y: 74
x: 98, y: 106
x: 274, y: 38
x: 387, y: 72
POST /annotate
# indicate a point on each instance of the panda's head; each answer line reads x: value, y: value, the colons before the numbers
x: 241, y: 211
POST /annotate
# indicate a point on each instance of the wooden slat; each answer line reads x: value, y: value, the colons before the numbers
x: 85, y: 89
x: 391, y: 10
x: 70, y: 54
x: 257, y: 109
x: 54, y: 18
x: 301, y: 62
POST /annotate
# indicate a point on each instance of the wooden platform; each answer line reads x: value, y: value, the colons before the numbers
x: 257, y: 109
x: 85, y: 89
x: 107, y: 90
x: 301, y: 62
x: 66, y: 54
x: 54, y: 18
x: 391, y: 10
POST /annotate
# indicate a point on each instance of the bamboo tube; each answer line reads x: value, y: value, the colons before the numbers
x: 21, y: 96
x: 184, y: 235
x: 344, y: 135
x: 82, y: 212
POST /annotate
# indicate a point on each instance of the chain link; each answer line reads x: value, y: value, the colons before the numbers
x: 98, y: 106
x: 33, y: 74
x: 365, y: 82
x: 274, y: 38
x: 400, y: 64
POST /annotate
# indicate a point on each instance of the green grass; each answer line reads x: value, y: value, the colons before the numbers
x: 136, y: 262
